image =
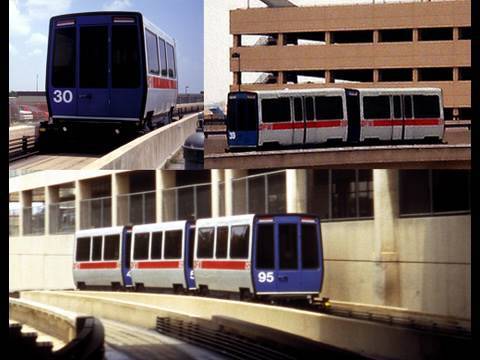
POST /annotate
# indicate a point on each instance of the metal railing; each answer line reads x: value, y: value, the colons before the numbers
x: 136, y: 208
x: 34, y: 220
x: 62, y: 217
x: 260, y: 194
x: 187, y: 202
x: 96, y: 212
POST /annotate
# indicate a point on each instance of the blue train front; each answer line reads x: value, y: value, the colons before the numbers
x: 242, y: 256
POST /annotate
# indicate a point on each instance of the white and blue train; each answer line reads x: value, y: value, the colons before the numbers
x: 249, y: 256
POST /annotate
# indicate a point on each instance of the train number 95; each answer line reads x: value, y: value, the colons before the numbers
x: 265, y: 276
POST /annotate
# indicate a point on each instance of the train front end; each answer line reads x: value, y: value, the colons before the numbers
x: 95, y: 75
x: 242, y: 120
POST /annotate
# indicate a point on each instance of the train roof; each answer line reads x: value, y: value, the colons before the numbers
x: 146, y: 22
x: 302, y: 91
x: 339, y: 90
x: 100, y: 231
x: 400, y: 90
x: 168, y: 225
x: 248, y: 218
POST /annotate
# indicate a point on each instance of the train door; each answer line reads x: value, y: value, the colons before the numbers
x: 287, y: 232
x: 189, y: 249
x: 264, y: 270
x: 353, y: 113
x: 298, y: 121
x: 309, y: 111
x: 126, y: 249
x: 398, y: 119
x: 407, y: 115
x: 311, y: 256
x: 93, y: 70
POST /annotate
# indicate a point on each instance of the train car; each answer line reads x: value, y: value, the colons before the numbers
x: 401, y: 114
x: 262, y: 256
x: 101, y: 258
x: 318, y: 116
x: 162, y: 256
x: 114, y: 72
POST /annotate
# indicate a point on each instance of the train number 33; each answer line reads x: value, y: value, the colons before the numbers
x: 265, y: 277
x: 59, y: 96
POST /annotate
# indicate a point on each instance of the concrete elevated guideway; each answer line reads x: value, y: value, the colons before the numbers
x: 361, y: 337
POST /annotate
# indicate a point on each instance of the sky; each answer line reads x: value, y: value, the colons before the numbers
x: 218, y: 41
x: 28, y: 35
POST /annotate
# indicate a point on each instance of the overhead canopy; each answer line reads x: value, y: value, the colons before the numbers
x: 278, y: 3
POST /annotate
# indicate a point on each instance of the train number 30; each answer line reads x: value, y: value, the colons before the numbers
x: 265, y: 277
x: 59, y: 96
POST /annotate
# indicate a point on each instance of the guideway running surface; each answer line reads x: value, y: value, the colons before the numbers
x: 359, y: 336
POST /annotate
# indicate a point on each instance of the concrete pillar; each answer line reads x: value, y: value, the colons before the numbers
x: 385, y: 202
x: 296, y: 190
x: 456, y: 33
x: 217, y: 176
x: 415, y: 75
x: 229, y: 175
x: 328, y: 37
x: 82, y: 192
x: 376, y: 36
x: 25, y: 201
x: 51, y: 217
x: 280, y: 40
x: 376, y: 75
x: 237, y: 80
x: 456, y: 74
x: 165, y: 205
x: 120, y: 210
x: 237, y: 40
x: 281, y: 77
x: 415, y: 35
x: 328, y: 76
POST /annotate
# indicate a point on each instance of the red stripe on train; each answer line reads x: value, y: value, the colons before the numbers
x: 411, y: 122
x: 159, y: 83
x: 98, y: 265
x: 299, y: 125
x: 223, y: 265
x: 158, y: 264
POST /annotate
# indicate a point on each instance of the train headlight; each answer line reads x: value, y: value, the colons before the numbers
x: 64, y: 128
x: 117, y: 131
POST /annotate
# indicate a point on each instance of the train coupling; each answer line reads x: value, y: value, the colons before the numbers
x: 324, y: 303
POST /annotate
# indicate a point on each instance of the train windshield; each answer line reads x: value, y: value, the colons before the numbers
x: 242, y: 112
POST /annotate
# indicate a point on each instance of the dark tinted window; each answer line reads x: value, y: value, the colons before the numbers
x: 83, y: 249
x: 171, y: 61
x: 265, y: 247
x: 328, y: 107
x: 450, y: 190
x: 276, y: 110
x: 376, y: 107
x: 94, y: 57
x: 128, y: 248
x: 309, y: 246
x: 426, y: 106
x: 163, y: 56
x: 343, y: 194
x: 397, y: 109
x: 309, y: 110
x: 287, y: 236
x: 140, y: 246
x: 156, y: 248
x: 191, y: 246
x: 241, y: 113
x: 96, y: 248
x: 63, y: 74
x: 239, y: 236
x: 297, y: 104
x: 152, y: 53
x: 222, y: 241
x: 173, y: 244
x: 205, y: 243
x: 125, y: 57
x: 407, y: 111
x: 112, y: 247
x: 414, y: 192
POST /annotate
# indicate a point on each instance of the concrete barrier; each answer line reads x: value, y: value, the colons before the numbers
x: 150, y: 151
x: 359, y: 336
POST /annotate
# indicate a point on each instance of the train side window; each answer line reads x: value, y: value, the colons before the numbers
x: 163, y: 56
x: 125, y: 57
x: 191, y: 246
x: 297, y: 107
x: 96, y: 248
x: 288, y: 246
x: 265, y: 247
x: 426, y: 106
x: 239, y: 241
x: 111, y: 248
x: 376, y: 107
x: 309, y: 109
x: 276, y: 110
x: 152, y: 53
x: 397, y: 108
x: 408, y: 106
x: 140, y: 246
x: 173, y: 244
x: 309, y: 246
x: 94, y: 57
x: 205, y: 243
x: 83, y: 249
x: 64, y: 53
x: 156, y: 248
x: 222, y: 242
x: 128, y: 249
x: 328, y: 107
x: 171, y: 61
